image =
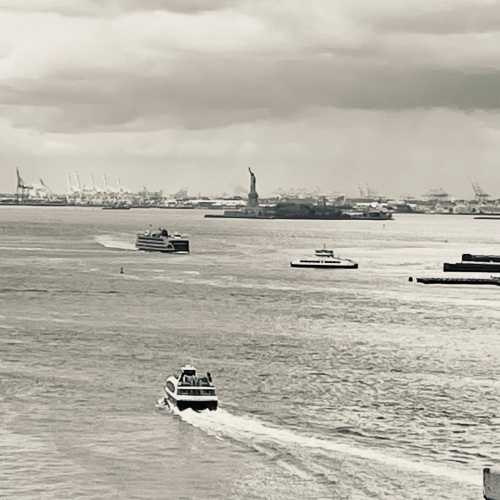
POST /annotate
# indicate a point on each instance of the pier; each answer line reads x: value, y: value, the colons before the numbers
x: 491, y: 483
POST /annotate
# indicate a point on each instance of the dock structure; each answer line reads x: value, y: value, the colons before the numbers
x: 491, y: 483
x: 457, y: 281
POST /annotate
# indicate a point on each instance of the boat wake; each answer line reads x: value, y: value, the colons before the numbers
x: 112, y: 241
x: 276, y: 441
x: 162, y: 404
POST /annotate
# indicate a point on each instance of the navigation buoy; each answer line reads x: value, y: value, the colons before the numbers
x: 121, y: 270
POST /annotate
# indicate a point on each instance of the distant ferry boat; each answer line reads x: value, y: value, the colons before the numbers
x: 162, y: 241
x: 326, y: 259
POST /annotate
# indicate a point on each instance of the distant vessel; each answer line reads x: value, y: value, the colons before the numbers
x: 467, y: 257
x: 458, y: 281
x: 187, y: 390
x: 370, y: 214
x: 162, y: 241
x: 325, y: 258
x: 117, y: 206
x: 472, y: 267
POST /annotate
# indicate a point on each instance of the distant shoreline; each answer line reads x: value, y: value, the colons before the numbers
x: 479, y: 216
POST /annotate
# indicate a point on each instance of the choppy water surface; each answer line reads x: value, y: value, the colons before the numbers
x: 345, y: 384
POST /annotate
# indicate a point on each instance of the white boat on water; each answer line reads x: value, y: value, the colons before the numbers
x: 162, y: 241
x: 325, y: 258
x: 187, y: 390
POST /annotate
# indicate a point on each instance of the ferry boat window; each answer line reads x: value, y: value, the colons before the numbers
x: 170, y: 386
x: 196, y: 392
x: 188, y: 392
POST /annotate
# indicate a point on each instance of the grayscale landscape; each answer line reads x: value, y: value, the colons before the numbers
x: 250, y: 249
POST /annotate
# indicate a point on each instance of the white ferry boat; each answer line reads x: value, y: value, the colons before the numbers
x: 187, y: 390
x: 162, y: 241
x: 325, y: 258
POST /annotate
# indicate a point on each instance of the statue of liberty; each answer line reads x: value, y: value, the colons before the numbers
x: 253, y: 197
x: 253, y: 181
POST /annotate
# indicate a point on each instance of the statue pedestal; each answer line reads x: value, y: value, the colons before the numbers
x: 253, y: 200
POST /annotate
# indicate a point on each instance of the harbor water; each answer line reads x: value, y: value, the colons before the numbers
x: 333, y: 384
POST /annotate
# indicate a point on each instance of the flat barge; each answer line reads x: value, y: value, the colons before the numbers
x: 458, y: 281
x: 472, y: 267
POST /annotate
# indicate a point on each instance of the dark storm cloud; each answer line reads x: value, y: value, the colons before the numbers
x: 223, y: 91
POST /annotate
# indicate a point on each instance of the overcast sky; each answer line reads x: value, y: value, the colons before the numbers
x: 401, y: 94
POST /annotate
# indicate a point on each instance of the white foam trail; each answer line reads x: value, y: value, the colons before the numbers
x: 222, y: 423
x: 30, y: 249
x: 110, y: 241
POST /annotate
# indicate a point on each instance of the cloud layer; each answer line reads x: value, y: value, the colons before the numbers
x: 204, y: 70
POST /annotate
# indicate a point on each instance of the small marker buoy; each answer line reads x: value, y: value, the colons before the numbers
x: 410, y: 279
x: 121, y: 270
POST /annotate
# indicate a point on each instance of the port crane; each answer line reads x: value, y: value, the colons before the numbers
x: 370, y: 193
x: 480, y: 194
x: 21, y: 189
x: 48, y: 192
x: 436, y: 195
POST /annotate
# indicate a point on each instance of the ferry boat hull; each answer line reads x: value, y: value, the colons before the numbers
x: 193, y: 405
x: 324, y: 265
